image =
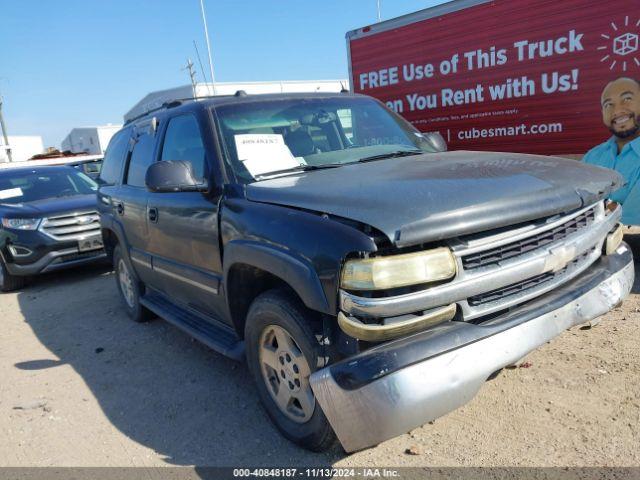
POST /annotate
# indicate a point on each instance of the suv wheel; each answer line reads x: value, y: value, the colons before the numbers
x: 129, y: 287
x: 9, y: 282
x: 282, y: 352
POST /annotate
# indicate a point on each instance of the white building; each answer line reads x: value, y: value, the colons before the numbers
x: 22, y: 147
x: 156, y: 99
x: 89, y: 140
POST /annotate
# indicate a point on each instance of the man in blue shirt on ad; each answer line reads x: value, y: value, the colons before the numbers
x: 621, y: 114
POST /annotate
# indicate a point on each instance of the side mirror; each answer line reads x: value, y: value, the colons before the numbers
x: 173, y: 176
x: 435, y: 141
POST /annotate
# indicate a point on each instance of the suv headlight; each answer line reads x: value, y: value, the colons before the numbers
x: 21, y: 223
x: 395, y: 271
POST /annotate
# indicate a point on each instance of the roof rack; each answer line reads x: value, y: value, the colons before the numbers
x: 172, y: 104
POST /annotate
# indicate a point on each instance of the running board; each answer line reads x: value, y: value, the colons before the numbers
x: 219, y: 338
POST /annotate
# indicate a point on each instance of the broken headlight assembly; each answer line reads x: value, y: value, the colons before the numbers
x: 395, y: 271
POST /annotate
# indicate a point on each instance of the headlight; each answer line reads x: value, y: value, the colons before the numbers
x: 399, y: 270
x: 21, y: 223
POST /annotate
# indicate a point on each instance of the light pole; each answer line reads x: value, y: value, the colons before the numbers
x: 206, y: 36
x: 4, y: 132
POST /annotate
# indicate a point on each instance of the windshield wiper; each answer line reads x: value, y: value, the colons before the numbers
x: 397, y: 153
x: 297, y: 168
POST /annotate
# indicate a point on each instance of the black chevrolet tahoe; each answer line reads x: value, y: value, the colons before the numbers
x: 49, y: 222
x: 371, y: 281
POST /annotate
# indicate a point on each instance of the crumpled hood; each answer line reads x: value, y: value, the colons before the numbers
x: 50, y: 206
x: 432, y: 197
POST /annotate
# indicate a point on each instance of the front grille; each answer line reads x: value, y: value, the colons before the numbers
x: 520, y: 288
x: 511, y: 250
x: 73, y: 226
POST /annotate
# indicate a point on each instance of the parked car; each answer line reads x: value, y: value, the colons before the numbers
x: 49, y: 222
x: 372, y: 283
x: 91, y: 168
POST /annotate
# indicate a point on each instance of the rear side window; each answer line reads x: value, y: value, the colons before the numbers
x: 141, y: 158
x: 183, y: 141
x: 114, y: 157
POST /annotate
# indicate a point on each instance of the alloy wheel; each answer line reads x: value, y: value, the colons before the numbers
x: 126, y: 283
x: 285, y: 371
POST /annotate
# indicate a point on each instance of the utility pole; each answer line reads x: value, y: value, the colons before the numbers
x: 4, y: 132
x: 206, y: 36
x: 192, y: 75
x: 378, y: 1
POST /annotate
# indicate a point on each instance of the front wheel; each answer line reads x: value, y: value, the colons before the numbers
x: 9, y: 282
x: 282, y: 352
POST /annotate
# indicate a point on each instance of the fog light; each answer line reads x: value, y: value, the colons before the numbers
x: 17, y: 251
x: 614, y: 239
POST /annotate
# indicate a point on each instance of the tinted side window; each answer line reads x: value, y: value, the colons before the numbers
x: 114, y: 157
x: 183, y: 141
x: 141, y: 158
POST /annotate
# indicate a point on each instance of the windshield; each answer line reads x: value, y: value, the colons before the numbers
x: 33, y: 185
x: 266, y: 138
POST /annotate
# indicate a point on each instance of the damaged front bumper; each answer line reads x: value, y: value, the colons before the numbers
x: 395, y: 387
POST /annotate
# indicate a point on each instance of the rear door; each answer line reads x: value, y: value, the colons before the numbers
x: 183, y: 226
x: 130, y: 202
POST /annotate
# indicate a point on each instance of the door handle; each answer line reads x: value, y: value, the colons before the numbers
x: 120, y: 208
x: 153, y: 214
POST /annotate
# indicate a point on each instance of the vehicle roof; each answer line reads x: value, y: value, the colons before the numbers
x: 38, y: 168
x: 219, y: 100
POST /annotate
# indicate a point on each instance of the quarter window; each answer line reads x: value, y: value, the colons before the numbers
x: 114, y: 157
x: 183, y: 141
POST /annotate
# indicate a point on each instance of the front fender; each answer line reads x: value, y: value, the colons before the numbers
x: 304, y: 249
x: 295, y: 271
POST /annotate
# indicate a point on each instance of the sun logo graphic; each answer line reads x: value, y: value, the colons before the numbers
x: 623, y: 43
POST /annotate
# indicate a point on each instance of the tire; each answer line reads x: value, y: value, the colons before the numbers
x: 273, y: 314
x: 130, y: 290
x: 8, y: 282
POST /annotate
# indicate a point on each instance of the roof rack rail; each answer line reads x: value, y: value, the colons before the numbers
x: 172, y: 104
x: 164, y: 106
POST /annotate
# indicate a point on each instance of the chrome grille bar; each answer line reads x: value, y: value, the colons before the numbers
x: 581, y: 244
x: 71, y: 227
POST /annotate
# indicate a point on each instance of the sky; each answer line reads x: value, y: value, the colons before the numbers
x: 73, y: 63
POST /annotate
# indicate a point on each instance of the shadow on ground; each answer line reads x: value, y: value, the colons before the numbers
x: 153, y: 382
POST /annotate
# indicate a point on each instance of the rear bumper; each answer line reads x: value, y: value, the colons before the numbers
x: 397, y: 386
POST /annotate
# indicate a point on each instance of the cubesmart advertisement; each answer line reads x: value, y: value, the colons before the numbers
x: 506, y: 75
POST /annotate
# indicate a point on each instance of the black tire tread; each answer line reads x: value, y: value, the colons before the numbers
x: 11, y: 282
x: 323, y: 438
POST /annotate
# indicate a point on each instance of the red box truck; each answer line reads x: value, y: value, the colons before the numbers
x: 501, y: 75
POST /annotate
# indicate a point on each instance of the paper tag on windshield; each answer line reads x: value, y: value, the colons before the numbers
x: 264, y: 152
x: 10, y: 193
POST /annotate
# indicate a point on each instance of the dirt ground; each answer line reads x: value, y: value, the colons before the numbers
x: 81, y: 385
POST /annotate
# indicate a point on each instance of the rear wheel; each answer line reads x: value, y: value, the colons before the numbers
x: 282, y: 352
x: 129, y: 287
x: 9, y: 282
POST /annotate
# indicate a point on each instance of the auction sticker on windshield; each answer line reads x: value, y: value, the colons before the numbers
x: 265, y: 152
x: 10, y: 193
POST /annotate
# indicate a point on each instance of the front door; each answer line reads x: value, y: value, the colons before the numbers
x: 183, y: 226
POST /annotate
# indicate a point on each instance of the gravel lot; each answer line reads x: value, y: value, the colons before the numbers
x: 80, y: 385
